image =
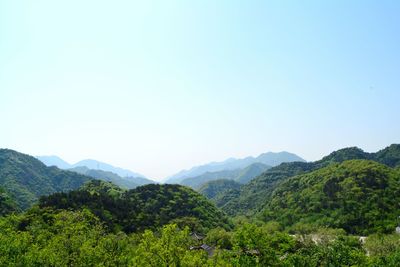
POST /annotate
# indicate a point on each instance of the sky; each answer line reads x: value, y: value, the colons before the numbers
x: 160, y: 86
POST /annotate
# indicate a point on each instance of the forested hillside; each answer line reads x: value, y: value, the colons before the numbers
x: 359, y: 196
x: 252, y: 196
x: 213, y: 189
x: 25, y: 178
x: 145, y: 207
x: 303, y: 214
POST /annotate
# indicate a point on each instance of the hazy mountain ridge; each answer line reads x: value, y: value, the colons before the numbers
x: 269, y: 158
x: 239, y: 175
x: 89, y: 163
x: 105, y: 176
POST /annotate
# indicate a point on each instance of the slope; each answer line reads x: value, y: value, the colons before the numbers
x: 270, y: 159
x: 25, y: 178
x: 144, y: 207
x: 360, y: 196
x: 106, y: 176
x: 253, y: 196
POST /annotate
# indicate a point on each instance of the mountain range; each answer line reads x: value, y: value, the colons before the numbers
x: 269, y: 159
x: 349, y: 189
x: 89, y: 163
x: 239, y: 175
x: 253, y: 196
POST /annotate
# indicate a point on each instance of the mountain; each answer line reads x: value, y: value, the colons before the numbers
x: 125, y: 182
x: 24, y: 178
x: 359, y: 196
x: 98, y: 165
x: 106, y: 176
x: 54, y: 161
x: 239, y: 175
x: 139, y: 180
x: 90, y: 164
x: 248, y: 173
x: 197, y: 181
x: 252, y: 196
x: 270, y: 159
x: 144, y: 207
x: 214, y: 188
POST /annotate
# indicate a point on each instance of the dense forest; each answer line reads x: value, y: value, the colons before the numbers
x: 145, y: 207
x: 342, y: 210
x: 256, y: 193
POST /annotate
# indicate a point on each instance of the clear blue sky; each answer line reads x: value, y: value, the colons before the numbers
x: 157, y: 86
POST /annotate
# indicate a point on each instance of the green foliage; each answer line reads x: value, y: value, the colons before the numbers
x: 359, y: 196
x: 43, y: 238
x: 100, y: 187
x: 7, y: 204
x: 144, y: 207
x: 25, y: 178
x: 214, y: 189
x: 253, y: 196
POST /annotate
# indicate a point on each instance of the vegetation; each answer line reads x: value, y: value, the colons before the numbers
x: 7, y: 204
x: 254, y: 195
x: 25, y: 179
x: 360, y: 196
x: 146, y: 207
x: 212, y: 190
x: 43, y: 237
x: 304, y: 214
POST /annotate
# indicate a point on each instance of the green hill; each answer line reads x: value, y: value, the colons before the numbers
x: 25, y: 178
x: 360, y: 196
x: 252, y: 196
x: 144, y: 207
x: 213, y: 189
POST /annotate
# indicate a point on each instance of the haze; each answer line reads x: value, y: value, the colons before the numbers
x: 161, y: 86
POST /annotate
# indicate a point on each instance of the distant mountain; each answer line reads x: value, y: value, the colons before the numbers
x: 124, y: 182
x: 248, y: 173
x: 213, y: 189
x: 89, y: 163
x: 54, y: 161
x: 25, y: 178
x: 139, y: 180
x: 270, y: 159
x: 106, y: 176
x: 98, y: 165
x: 239, y: 175
x: 198, y: 181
